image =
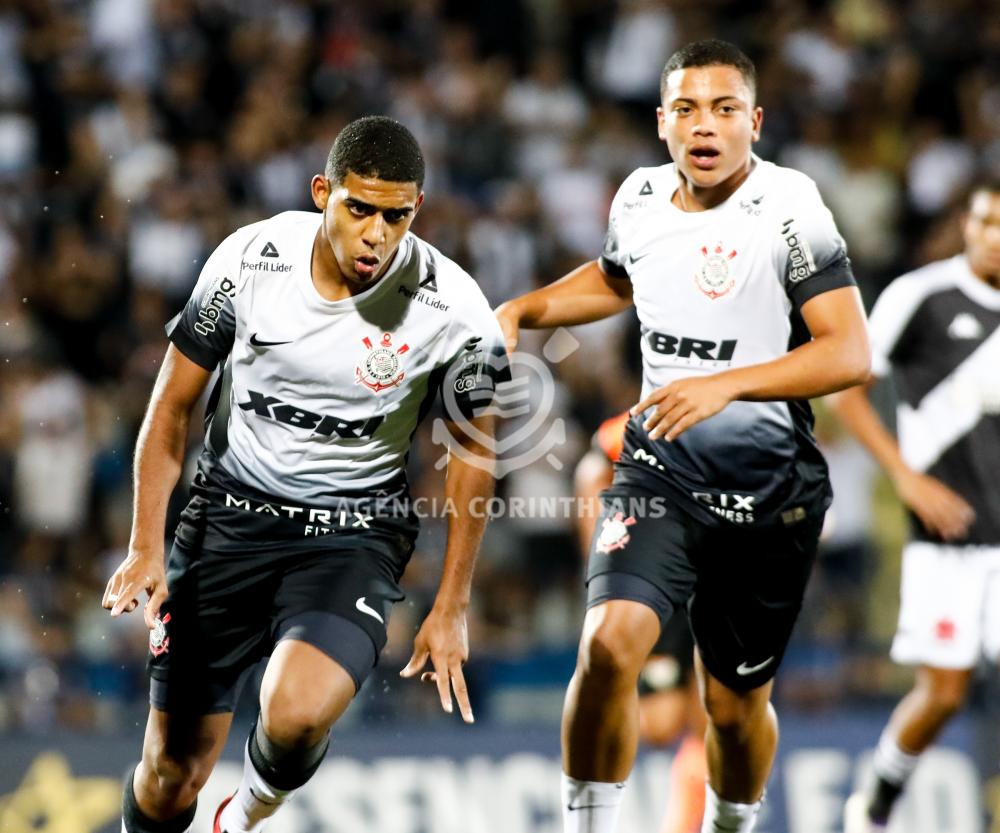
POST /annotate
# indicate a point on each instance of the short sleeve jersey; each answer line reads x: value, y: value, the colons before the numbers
x: 936, y: 332
x: 720, y: 289
x: 317, y: 398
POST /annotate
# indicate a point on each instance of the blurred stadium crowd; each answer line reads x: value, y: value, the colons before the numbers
x: 136, y: 134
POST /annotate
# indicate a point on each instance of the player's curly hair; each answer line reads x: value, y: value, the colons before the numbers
x: 377, y: 147
x: 710, y: 53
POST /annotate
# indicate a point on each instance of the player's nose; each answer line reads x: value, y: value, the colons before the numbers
x: 374, y: 231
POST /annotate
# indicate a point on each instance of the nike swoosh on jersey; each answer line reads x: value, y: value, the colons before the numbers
x: 745, y: 670
x: 256, y: 343
x: 360, y: 605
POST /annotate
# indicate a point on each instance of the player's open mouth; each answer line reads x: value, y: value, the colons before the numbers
x: 704, y: 158
x: 366, y: 265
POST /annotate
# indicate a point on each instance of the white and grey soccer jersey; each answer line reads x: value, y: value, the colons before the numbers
x: 319, y: 399
x: 720, y: 289
x: 937, y: 331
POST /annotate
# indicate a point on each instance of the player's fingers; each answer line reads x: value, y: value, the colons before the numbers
x: 654, y: 397
x: 152, y: 611
x: 668, y: 421
x: 441, y: 678
x: 461, y: 693
x: 428, y: 677
x: 126, y: 600
x: 110, y: 596
x: 417, y: 661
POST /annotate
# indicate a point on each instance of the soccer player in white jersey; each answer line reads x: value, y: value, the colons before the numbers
x: 333, y: 333
x: 937, y: 332
x: 748, y: 308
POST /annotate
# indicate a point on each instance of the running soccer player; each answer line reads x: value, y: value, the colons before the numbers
x: 937, y: 332
x: 669, y: 704
x: 334, y: 332
x: 748, y: 308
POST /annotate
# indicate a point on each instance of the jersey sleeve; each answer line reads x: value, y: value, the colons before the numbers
x: 812, y: 252
x: 612, y: 259
x: 205, y: 329
x: 476, y: 363
x: 890, y: 325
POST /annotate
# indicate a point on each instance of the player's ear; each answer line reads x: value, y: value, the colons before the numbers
x: 661, y: 124
x: 419, y: 202
x: 321, y: 189
x: 757, y: 119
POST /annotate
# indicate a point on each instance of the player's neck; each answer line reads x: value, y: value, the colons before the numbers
x: 689, y: 197
x: 988, y: 278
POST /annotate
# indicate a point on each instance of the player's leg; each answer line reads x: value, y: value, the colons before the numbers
x: 916, y: 722
x: 740, y: 744
x: 742, y: 613
x: 303, y: 693
x: 944, y: 622
x: 178, y: 754
x: 600, y: 724
x: 330, y: 617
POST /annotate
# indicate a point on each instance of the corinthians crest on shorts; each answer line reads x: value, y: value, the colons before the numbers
x: 381, y: 367
x: 614, y: 533
x: 713, y: 277
x: 159, y: 642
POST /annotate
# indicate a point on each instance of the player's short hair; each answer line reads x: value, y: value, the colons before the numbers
x: 377, y: 147
x: 710, y: 53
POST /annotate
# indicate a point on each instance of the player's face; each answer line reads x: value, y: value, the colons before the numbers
x: 709, y: 122
x: 982, y: 236
x: 364, y: 220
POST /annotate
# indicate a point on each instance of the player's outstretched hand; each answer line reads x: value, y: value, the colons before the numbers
x: 941, y: 510
x: 683, y: 403
x: 509, y: 324
x: 135, y: 574
x: 444, y: 639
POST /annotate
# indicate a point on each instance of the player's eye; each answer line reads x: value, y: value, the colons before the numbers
x: 682, y: 110
x: 727, y: 109
x: 394, y: 216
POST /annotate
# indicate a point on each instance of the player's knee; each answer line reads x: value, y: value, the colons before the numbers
x: 294, y: 726
x: 175, y: 780
x: 607, y: 654
x: 734, y: 713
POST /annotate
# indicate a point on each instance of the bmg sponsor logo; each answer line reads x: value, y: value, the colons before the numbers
x: 212, y: 304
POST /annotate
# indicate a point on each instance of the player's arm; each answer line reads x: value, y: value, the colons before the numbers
x: 586, y: 294
x: 159, y: 456
x: 443, y: 637
x: 941, y: 510
x: 838, y: 356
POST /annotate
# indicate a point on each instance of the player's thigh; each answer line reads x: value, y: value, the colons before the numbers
x: 183, y: 746
x: 748, y: 597
x: 639, y: 551
x: 303, y: 692
x: 339, y: 601
x: 945, y: 615
x: 213, y: 627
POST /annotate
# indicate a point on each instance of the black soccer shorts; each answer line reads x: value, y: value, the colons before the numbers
x: 248, y: 570
x: 742, y: 586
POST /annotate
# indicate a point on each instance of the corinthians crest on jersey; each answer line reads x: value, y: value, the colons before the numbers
x: 381, y: 367
x: 713, y: 276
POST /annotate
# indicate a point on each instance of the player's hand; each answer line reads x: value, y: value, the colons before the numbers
x: 444, y: 639
x: 138, y: 572
x: 941, y: 510
x: 510, y: 324
x: 683, y: 403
